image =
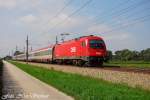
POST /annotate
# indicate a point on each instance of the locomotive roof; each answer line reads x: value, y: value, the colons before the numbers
x: 88, y: 37
x: 82, y: 37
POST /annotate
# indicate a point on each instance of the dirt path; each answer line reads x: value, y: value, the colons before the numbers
x: 131, y: 78
x: 18, y: 84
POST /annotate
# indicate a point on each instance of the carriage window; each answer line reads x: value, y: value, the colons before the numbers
x: 97, y: 44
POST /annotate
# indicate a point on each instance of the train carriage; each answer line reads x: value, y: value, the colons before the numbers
x: 41, y: 55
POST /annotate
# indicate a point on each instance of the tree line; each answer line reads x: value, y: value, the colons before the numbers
x: 129, y: 55
x: 1, y: 63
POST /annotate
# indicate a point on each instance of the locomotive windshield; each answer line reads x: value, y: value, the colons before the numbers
x: 97, y: 44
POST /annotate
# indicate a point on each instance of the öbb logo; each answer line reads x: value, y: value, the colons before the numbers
x: 73, y: 49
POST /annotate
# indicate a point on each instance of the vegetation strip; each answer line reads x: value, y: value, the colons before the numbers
x: 84, y: 88
x: 131, y: 64
x: 1, y: 76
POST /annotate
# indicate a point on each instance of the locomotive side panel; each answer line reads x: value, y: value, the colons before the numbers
x: 70, y: 50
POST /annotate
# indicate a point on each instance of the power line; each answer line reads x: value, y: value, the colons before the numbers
x: 137, y: 20
x: 132, y: 22
x: 112, y: 9
x: 135, y: 6
x: 72, y: 14
x: 114, y: 13
x: 122, y: 11
x: 27, y: 49
x: 119, y: 5
x: 59, y: 12
x: 130, y: 16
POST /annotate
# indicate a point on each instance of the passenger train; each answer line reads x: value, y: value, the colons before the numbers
x: 82, y: 51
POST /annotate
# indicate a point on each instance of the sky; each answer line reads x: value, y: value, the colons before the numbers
x: 121, y: 23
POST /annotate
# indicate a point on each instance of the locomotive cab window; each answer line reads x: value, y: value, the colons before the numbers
x: 96, y: 44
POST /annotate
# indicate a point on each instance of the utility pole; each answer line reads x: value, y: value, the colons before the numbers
x: 31, y: 48
x: 16, y: 48
x: 16, y: 52
x: 27, y: 46
x: 24, y: 49
x: 56, y: 40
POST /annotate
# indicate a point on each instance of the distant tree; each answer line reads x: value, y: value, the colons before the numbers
x: 7, y: 58
x: 145, y: 55
x: 135, y: 55
x: 118, y: 55
x: 1, y: 63
x: 128, y: 55
x: 109, y: 55
x: 124, y: 55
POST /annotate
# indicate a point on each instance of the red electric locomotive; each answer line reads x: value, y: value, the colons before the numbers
x: 86, y: 50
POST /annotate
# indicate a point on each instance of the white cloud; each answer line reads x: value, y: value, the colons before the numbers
x: 28, y: 19
x: 23, y: 4
x: 8, y: 3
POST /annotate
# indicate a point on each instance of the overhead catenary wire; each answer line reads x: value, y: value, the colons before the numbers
x: 127, y: 18
x: 143, y: 2
x: 84, y: 5
x: 61, y: 10
x: 113, y: 14
x: 80, y: 8
x: 111, y: 9
x: 72, y: 14
x: 120, y: 12
x: 137, y: 20
x: 58, y: 13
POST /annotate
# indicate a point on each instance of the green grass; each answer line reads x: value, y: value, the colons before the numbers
x: 84, y: 88
x: 134, y: 64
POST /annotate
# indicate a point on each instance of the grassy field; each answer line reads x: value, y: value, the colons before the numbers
x: 135, y: 64
x: 84, y: 88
